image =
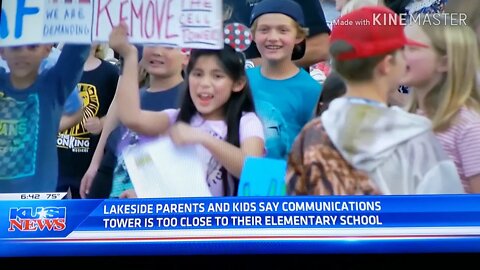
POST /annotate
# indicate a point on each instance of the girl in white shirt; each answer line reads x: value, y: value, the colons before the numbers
x: 217, y: 111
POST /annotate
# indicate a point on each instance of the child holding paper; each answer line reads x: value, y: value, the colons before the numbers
x: 217, y: 111
x: 31, y: 105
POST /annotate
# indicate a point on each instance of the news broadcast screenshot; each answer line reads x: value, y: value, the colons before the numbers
x: 208, y: 127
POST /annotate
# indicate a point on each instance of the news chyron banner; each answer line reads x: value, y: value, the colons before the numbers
x: 239, y: 224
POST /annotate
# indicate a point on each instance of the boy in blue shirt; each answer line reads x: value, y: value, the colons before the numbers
x: 285, y: 95
x: 31, y: 105
x: 73, y: 108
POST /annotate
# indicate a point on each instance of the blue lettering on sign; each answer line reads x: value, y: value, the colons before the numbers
x: 3, y: 25
x: 52, y: 14
x: 22, y: 11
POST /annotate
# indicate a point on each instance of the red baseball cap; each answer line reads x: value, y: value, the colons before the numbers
x: 371, y: 31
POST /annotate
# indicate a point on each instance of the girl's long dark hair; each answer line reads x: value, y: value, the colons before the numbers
x: 233, y: 63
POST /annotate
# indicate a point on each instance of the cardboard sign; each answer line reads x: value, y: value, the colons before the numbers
x: 263, y: 177
x: 182, y: 23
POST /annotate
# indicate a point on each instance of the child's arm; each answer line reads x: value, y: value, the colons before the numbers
x: 72, y: 111
x: 111, y: 122
x: 128, y: 98
x: 96, y: 124
x: 69, y: 120
x: 68, y: 70
x: 230, y: 156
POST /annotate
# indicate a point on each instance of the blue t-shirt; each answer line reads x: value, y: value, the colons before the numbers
x: 29, y: 121
x: 74, y: 102
x: 284, y: 106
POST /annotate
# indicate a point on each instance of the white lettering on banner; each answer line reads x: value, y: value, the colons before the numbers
x: 196, y: 221
x: 246, y: 220
x: 128, y: 209
x: 245, y: 214
x: 356, y: 220
x: 113, y: 223
x: 218, y: 207
x: 300, y: 220
x: 184, y: 23
x: 180, y: 208
x: 244, y: 207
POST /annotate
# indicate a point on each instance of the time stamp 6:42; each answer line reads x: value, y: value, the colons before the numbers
x: 41, y: 196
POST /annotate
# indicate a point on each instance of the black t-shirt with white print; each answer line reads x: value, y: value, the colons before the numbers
x: 76, y: 145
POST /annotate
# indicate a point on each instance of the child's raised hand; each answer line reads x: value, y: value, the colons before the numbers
x: 118, y: 39
x: 183, y: 134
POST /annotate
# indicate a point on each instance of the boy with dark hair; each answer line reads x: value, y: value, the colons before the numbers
x: 333, y: 87
x: 31, y: 105
x: 73, y: 107
x: 359, y: 145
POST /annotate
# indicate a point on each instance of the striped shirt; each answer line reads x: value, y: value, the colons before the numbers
x: 462, y: 144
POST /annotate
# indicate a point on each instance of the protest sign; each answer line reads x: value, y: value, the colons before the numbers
x: 183, y: 23
x: 256, y: 180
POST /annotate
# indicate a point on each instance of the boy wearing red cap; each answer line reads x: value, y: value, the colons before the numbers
x: 395, y: 150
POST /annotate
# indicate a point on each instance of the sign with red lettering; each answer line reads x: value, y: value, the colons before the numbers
x: 183, y: 23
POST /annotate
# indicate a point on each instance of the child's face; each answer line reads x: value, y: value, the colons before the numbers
x: 423, y: 64
x: 163, y: 62
x: 24, y: 61
x: 211, y: 87
x: 276, y: 36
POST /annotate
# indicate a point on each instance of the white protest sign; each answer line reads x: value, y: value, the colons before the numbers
x: 183, y: 23
x: 187, y: 23
x: 20, y: 22
x: 160, y: 169
x: 70, y: 21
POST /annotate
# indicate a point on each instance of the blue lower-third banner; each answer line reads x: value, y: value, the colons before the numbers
x: 226, y: 225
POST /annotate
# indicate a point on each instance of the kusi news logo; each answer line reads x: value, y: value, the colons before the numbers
x: 28, y: 219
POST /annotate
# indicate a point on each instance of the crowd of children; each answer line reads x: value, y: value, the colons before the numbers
x: 350, y: 134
